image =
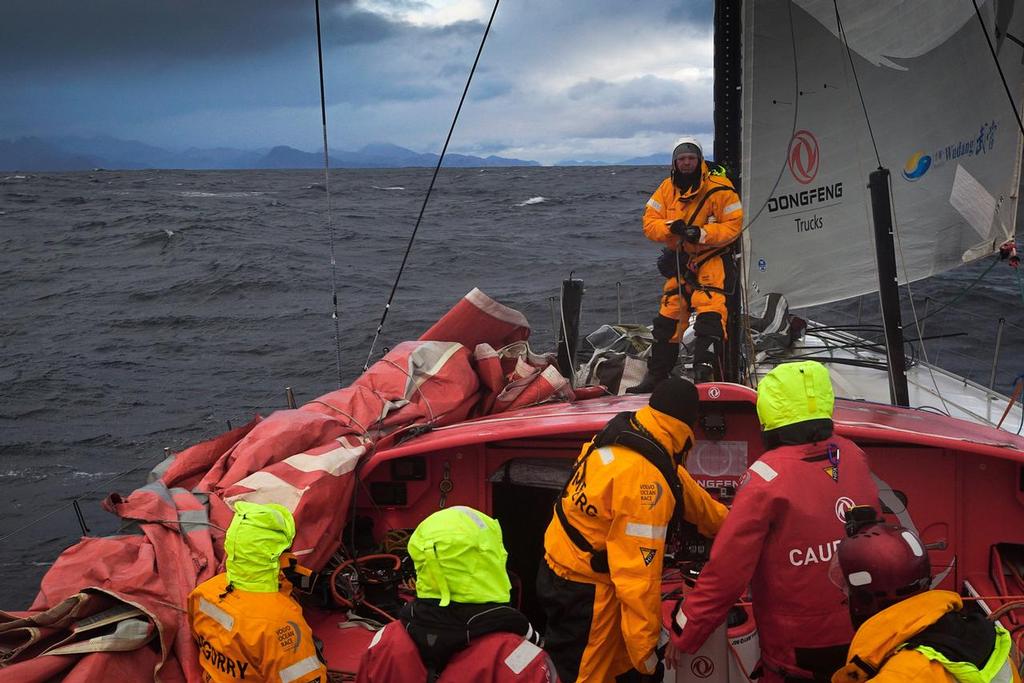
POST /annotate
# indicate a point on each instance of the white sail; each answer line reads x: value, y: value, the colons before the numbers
x: 942, y: 123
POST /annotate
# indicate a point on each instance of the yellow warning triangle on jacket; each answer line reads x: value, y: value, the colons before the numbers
x: 648, y: 555
x: 833, y: 472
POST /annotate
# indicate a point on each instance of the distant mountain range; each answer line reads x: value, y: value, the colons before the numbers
x: 84, y: 154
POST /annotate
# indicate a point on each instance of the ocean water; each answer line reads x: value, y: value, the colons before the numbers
x: 146, y: 310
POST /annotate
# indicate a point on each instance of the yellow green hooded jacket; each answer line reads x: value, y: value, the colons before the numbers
x: 244, y: 621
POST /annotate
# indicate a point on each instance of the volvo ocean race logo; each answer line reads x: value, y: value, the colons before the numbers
x: 917, y: 165
x: 803, y: 156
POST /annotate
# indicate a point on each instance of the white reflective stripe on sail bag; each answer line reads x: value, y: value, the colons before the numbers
x: 217, y: 614
x: 521, y: 657
x: 299, y: 669
x: 646, y: 531
x: 654, y: 204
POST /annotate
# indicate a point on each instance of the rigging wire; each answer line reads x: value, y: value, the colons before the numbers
x: 82, y: 496
x: 856, y: 80
x: 999, y: 68
x: 430, y: 188
x: 796, y: 110
x: 895, y: 224
x: 327, y: 192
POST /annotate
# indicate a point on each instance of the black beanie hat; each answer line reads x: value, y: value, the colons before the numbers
x: 678, y: 398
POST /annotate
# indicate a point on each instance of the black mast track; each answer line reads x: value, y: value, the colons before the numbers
x: 727, y: 117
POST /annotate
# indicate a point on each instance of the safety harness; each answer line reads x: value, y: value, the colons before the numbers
x: 623, y: 430
x: 692, y: 265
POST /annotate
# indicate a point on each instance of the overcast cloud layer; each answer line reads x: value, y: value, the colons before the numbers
x: 589, y: 79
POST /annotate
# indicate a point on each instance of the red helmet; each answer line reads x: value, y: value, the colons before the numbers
x: 881, y: 565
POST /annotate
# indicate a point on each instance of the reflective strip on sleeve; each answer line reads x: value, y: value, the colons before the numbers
x: 376, y: 638
x: 764, y: 469
x: 735, y: 206
x: 654, y: 204
x: 681, y: 619
x: 651, y: 662
x: 606, y: 455
x: 646, y: 531
x: 211, y: 610
x: 522, y: 656
x: 300, y: 669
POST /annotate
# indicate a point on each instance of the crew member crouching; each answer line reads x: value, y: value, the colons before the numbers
x: 460, y: 627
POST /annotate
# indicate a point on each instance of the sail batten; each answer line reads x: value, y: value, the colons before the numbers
x: 939, y: 120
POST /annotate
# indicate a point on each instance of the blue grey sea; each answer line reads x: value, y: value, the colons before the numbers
x: 146, y: 310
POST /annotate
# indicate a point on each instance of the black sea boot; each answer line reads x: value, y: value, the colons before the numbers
x: 707, y: 330
x: 663, y: 358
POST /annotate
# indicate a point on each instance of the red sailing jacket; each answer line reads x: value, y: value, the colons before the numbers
x: 494, y: 658
x: 780, y: 536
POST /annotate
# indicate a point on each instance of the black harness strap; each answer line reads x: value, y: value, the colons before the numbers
x: 634, y: 437
x: 690, y: 270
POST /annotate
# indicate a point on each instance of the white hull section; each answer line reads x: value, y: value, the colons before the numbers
x: 929, y: 387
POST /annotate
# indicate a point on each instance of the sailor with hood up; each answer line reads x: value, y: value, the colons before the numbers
x: 781, y: 533
x: 245, y: 621
x: 695, y: 214
x: 460, y: 627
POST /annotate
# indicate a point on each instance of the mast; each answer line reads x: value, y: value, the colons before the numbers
x: 728, y: 68
x: 888, y: 286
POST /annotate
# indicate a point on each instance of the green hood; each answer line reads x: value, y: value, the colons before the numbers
x: 794, y: 392
x: 257, y: 536
x: 460, y: 557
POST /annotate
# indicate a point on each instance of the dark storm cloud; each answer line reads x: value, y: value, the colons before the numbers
x: 692, y: 11
x: 40, y: 35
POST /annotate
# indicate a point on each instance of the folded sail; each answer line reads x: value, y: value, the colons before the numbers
x: 942, y: 125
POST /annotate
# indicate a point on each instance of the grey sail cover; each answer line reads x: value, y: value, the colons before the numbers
x: 942, y: 124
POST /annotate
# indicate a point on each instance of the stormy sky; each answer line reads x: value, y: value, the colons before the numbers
x: 586, y: 79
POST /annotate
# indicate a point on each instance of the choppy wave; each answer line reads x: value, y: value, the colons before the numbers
x: 201, y: 193
x: 165, y: 305
x: 533, y: 200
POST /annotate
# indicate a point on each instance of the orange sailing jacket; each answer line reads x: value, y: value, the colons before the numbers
x: 880, y: 644
x: 621, y: 504
x: 720, y: 217
x: 249, y: 636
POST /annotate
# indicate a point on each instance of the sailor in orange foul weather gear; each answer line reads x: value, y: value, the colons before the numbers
x: 696, y: 214
x: 906, y: 632
x: 605, y: 546
x: 245, y: 622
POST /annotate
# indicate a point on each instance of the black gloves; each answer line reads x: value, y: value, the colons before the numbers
x: 690, y: 233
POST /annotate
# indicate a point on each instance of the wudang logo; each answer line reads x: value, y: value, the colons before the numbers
x: 919, y: 162
x: 917, y: 165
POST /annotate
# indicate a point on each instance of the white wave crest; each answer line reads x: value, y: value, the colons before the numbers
x: 533, y: 200
x: 196, y: 193
x: 396, y: 187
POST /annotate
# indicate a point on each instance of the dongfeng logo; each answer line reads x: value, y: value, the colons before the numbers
x: 803, y: 157
x: 917, y: 165
x: 843, y: 504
